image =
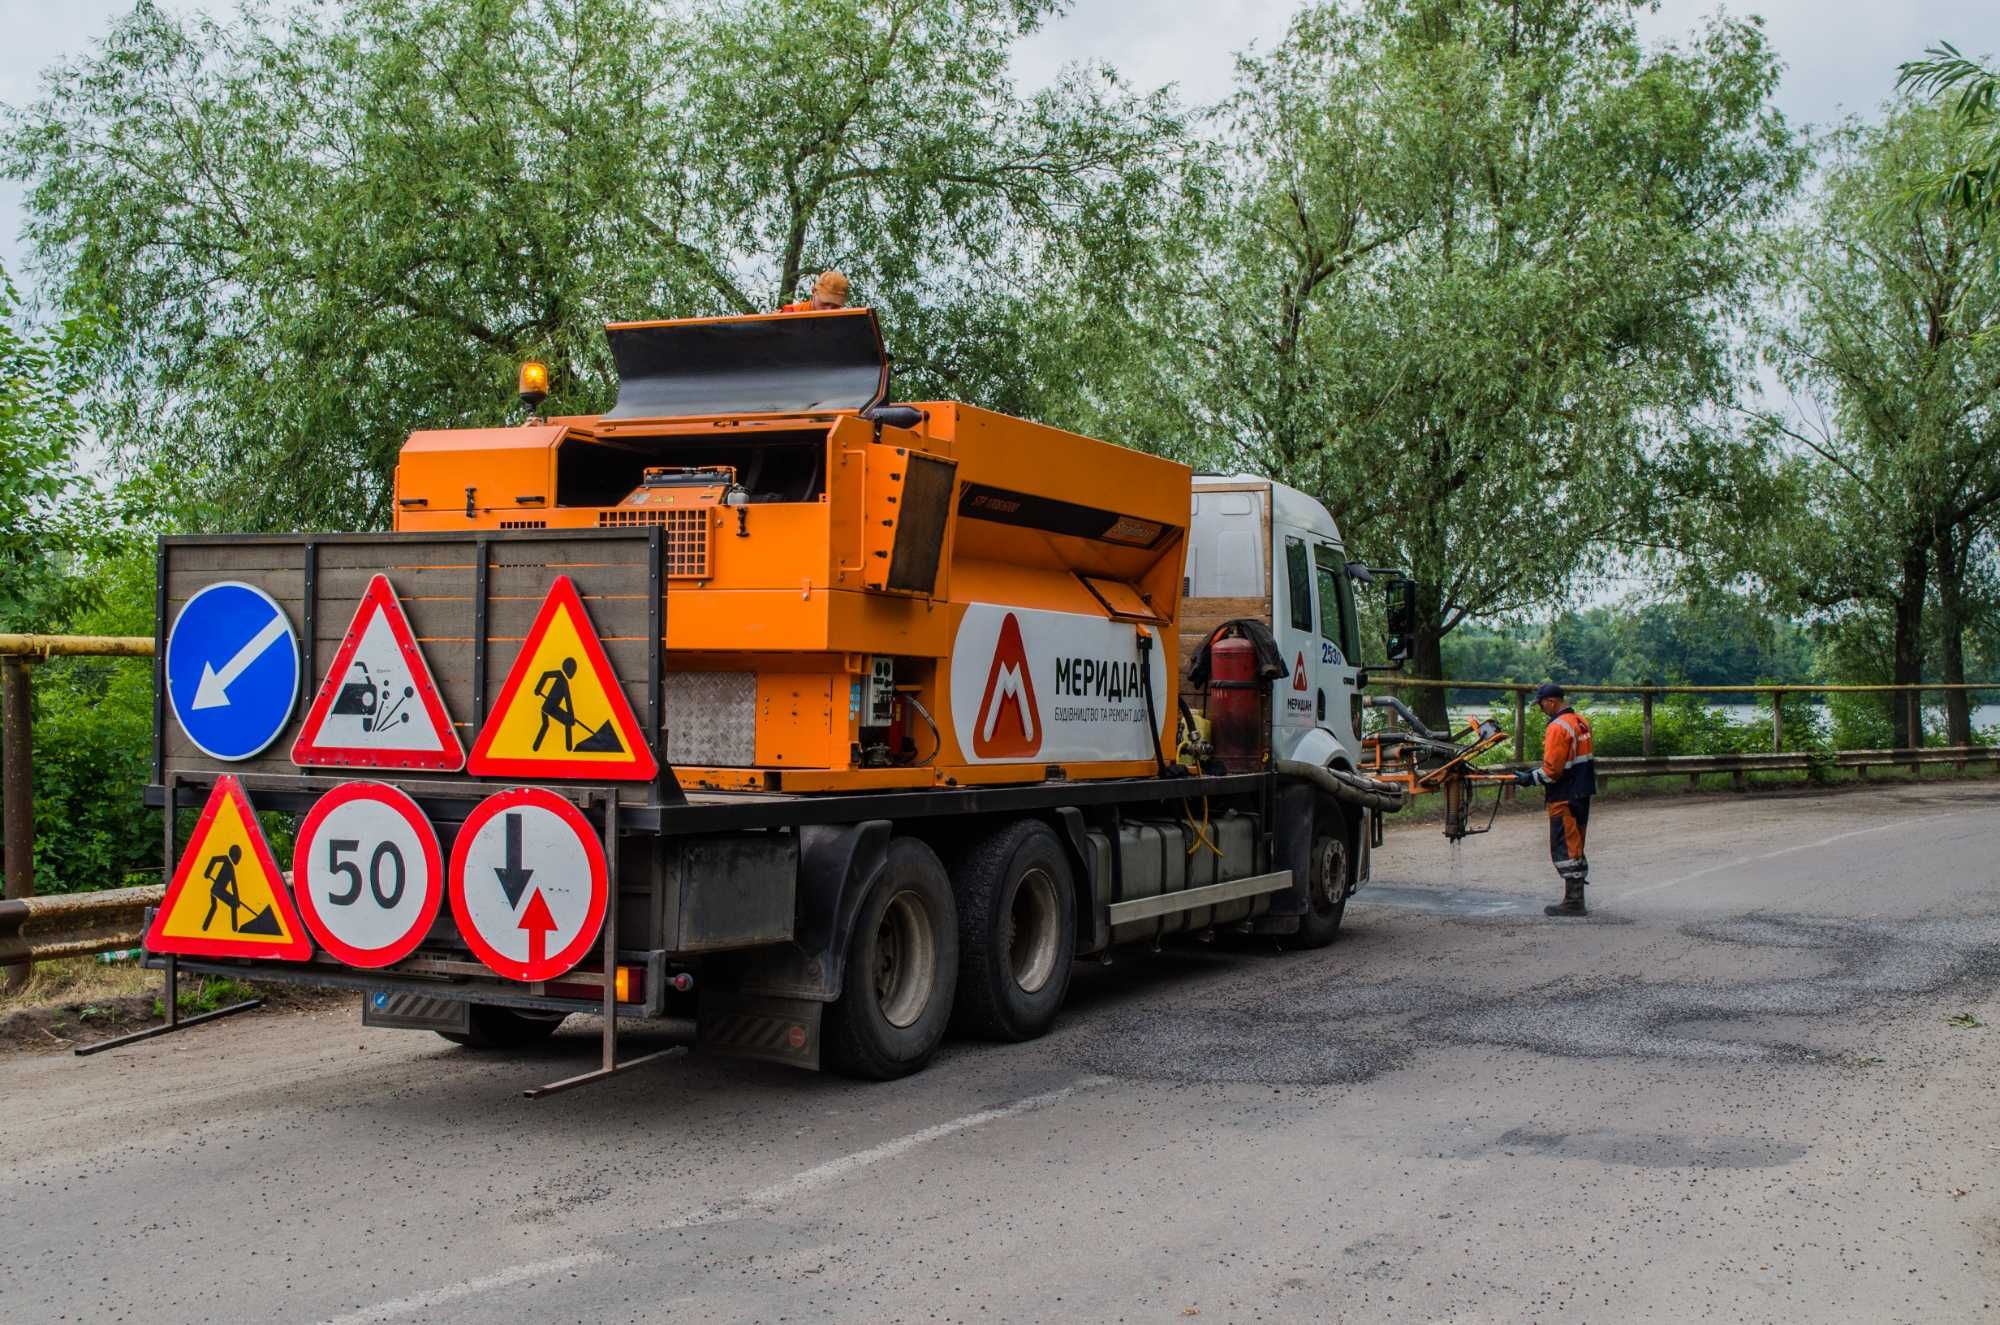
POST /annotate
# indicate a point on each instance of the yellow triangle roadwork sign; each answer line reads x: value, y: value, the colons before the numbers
x: 228, y: 897
x: 562, y: 713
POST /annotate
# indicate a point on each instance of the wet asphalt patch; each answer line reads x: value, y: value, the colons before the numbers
x: 1870, y: 964
x: 1310, y: 1027
x: 1643, y: 1150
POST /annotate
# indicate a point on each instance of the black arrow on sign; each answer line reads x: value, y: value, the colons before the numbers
x: 514, y: 879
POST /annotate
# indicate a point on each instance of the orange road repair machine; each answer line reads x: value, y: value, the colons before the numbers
x: 821, y: 722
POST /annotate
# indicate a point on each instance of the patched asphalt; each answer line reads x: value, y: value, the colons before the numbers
x: 1761, y: 1083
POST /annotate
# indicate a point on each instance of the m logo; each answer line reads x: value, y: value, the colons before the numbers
x: 1009, y: 725
x: 1299, y: 673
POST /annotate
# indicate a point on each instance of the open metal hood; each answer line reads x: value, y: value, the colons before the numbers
x: 775, y: 363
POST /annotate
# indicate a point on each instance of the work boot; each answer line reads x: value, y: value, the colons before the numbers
x: 1572, y: 902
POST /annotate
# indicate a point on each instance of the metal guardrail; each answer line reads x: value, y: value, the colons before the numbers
x: 40, y: 929
x: 1912, y: 713
x: 75, y: 925
x: 1795, y: 761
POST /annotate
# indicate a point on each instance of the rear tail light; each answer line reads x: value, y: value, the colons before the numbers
x: 628, y: 981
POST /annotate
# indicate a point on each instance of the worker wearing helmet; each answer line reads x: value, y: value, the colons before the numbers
x: 829, y: 292
x: 1569, y: 773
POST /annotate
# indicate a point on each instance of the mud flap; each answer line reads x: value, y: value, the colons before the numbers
x: 775, y: 1030
x: 390, y: 1010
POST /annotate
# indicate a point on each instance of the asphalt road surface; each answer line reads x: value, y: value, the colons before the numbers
x: 1736, y: 1093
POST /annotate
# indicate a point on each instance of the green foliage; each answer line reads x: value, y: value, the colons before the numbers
x: 209, y: 993
x: 1718, y: 639
x: 324, y: 227
x: 1682, y: 725
x: 1881, y: 325
x: 1861, y: 722
x: 45, y: 502
x: 1970, y: 92
x: 1466, y: 277
x: 93, y: 742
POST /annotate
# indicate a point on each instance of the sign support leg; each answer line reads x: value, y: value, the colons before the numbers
x: 174, y: 1020
x: 608, y: 1061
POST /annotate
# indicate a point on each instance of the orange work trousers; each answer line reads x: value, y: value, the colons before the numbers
x: 1567, y: 822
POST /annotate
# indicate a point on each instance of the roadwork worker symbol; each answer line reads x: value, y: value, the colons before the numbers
x: 228, y: 897
x: 562, y: 711
x: 559, y: 707
x: 221, y: 876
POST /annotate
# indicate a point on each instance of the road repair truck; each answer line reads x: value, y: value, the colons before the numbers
x: 759, y: 700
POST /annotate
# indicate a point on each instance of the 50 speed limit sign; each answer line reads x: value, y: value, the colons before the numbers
x: 368, y: 874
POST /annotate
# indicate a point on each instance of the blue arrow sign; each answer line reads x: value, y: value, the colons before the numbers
x: 232, y: 670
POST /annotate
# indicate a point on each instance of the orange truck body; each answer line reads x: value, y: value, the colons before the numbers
x: 858, y: 598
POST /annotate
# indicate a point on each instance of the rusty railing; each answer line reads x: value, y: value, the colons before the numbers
x: 21, y: 911
x: 1648, y: 763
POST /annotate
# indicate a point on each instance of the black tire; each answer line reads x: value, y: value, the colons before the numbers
x: 1016, y: 932
x: 1330, y: 875
x: 902, y: 969
x: 505, y: 1028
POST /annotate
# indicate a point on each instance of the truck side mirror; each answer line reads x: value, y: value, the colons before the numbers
x: 1401, y: 613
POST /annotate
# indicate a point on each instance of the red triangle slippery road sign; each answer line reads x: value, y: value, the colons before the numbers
x: 561, y: 712
x: 228, y: 897
x: 379, y: 706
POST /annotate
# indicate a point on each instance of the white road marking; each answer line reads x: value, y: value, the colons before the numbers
x: 1786, y: 851
x: 763, y: 1200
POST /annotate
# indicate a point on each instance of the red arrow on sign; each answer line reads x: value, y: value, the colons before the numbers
x: 535, y: 918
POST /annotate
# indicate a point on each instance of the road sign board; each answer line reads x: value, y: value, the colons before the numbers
x: 369, y: 873
x: 528, y: 883
x: 228, y: 898
x: 562, y: 712
x: 378, y: 706
x: 232, y: 669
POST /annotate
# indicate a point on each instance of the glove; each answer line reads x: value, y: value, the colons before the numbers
x: 1524, y: 777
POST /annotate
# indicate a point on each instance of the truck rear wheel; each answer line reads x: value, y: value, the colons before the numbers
x: 1331, y: 870
x: 902, y: 969
x: 1016, y: 932
x: 505, y: 1028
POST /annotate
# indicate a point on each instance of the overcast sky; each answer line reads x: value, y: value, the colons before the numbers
x: 1840, y: 55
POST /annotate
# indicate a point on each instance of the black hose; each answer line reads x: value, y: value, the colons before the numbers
x: 1152, y: 710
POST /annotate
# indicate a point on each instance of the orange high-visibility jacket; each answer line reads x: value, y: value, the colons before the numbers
x: 1568, y: 770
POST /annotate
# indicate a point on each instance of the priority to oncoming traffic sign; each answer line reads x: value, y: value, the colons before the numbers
x: 528, y: 883
x: 232, y: 669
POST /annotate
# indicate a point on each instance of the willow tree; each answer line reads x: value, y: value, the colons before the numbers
x: 320, y: 227
x: 1888, y: 330
x: 1470, y: 278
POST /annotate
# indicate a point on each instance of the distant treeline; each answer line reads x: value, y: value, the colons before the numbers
x: 1724, y: 639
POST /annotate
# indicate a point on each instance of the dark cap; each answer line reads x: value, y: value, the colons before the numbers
x: 1548, y: 690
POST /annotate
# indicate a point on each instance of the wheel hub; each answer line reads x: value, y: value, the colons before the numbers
x: 1036, y: 927
x: 906, y: 960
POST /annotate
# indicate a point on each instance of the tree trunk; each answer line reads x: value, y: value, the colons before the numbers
x: 1951, y: 634
x: 1427, y: 658
x: 1908, y: 649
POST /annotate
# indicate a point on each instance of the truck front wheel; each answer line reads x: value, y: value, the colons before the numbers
x: 1016, y: 932
x: 902, y: 970
x: 1330, y: 873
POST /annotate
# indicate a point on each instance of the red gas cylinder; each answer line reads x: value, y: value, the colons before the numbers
x: 1235, y: 705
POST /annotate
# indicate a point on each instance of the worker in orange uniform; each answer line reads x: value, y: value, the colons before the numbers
x: 829, y: 292
x: 1569, y: 775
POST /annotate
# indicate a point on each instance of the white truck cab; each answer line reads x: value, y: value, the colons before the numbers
x: 1259, y: 549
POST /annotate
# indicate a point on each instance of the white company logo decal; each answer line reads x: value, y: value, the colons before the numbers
x: 1050, y: 686
x: 1010, y: 691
